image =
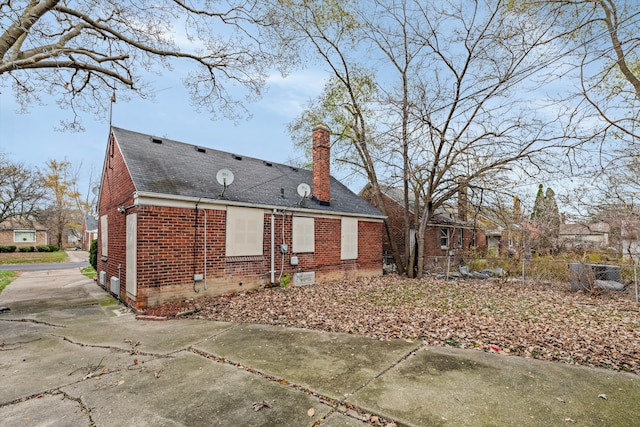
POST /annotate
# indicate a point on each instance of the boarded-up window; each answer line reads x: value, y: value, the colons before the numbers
x: 303, y: 239
x: 349, y: 239
x: 245, y: 228
x: 104, y: 236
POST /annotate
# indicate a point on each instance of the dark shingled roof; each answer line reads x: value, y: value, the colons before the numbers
x: 177, y: 168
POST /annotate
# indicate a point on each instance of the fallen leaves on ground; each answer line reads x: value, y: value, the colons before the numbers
x: 542, y: 321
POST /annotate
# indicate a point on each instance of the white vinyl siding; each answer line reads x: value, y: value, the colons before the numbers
x: 245, y: 227
x: 349, y: 239
x: 24, y: 236
x: 303, y: 235
x: 104, y: 236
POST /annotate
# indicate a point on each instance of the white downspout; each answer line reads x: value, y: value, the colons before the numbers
x: 273, y: 247
x: 205, y: 249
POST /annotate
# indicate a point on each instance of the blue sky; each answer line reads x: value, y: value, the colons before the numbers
x: 31, y: 138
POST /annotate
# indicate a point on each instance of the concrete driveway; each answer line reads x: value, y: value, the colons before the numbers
x: 70, y: 356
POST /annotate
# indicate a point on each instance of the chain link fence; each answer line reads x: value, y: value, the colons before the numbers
x: 621, y: 275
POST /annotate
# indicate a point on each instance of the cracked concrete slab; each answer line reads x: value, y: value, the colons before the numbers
x: 190, y: 390
x: 150, y: 336
x: 335, y: 365
x: 66, y: 358
x: 44, y: 410
x: 453, y: 387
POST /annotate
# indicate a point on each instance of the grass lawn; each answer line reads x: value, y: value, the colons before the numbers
x: 88, y: 272
x: 32, y: 257
x: 6, y: 277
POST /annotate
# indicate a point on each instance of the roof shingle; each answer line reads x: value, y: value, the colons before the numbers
x: 176, y: 168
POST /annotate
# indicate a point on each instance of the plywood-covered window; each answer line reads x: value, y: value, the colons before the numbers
x: 349, y: 238
x: 303, y: 235
x: 104, y: 236
x: 245, y: 228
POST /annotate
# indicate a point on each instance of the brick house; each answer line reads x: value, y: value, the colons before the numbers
x: 446, y: 231
x: 89, y: 231
x: 584, y: 235
x: 177, y: 221
x: 21, y: 232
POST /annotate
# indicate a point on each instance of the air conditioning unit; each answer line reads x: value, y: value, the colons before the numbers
x: 115, y: 285
x: 103, y: 278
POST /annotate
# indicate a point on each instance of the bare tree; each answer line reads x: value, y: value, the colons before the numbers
x: 455, y: 112
x: 60, y: 212
x: 601, y: 44
x: 21, y: 189
x: 80, y: 52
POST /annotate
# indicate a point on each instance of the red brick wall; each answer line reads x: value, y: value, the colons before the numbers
x: 395, y: 212
x: 7, y: 237
x: 171, y: 247
x: 116, y: 191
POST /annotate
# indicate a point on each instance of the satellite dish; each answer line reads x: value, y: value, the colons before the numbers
x: 224, y: 177
x: 304, y: 190
x: 95, y: 190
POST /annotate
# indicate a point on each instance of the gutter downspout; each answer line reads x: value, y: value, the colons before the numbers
x: 273, y: 247
x: 205, y: 249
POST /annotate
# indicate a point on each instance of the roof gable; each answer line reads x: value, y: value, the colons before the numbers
x: 165, y: 166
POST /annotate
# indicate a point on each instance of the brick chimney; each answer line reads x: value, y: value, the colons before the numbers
x: 463, y: 201
x: 321, y: 188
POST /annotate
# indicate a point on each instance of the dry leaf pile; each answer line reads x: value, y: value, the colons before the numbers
x: 543, y: 321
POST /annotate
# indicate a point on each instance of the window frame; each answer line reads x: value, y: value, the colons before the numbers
x: 444, y: 234
x: 31, y: 231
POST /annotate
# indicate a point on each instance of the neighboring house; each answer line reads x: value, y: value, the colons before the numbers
x: 630, y: 239
x: 446, y: 233
x: 584, y: 236
x: 89, y: 231
x: 20, y: 232
x: 178, y: 221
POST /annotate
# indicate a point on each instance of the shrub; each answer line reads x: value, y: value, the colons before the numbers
x: 47, y: 248
x: 27, y: 249
x: 93, y: 254
x: 7, y: 248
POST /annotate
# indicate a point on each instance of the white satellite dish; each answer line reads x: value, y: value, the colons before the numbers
x: 304, y: 190
x: 224, y: 177
x: 95, y: 190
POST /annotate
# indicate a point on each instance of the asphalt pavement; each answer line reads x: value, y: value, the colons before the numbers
x: 77, y: 259
x: 71, y: 356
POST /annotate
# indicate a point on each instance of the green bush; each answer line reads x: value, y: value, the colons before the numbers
x: 27, y: 249
x: 7, y: 248
x: 47, y: 248
x: 93, y: 254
